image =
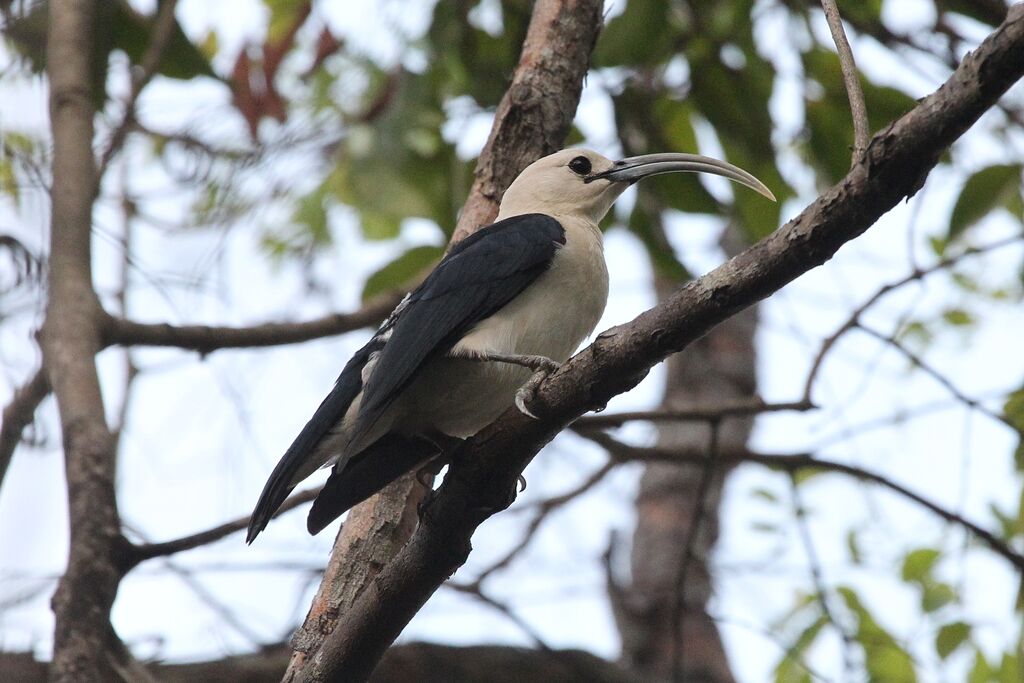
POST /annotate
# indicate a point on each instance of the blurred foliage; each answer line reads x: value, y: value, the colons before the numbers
x: 118, y: 27
x: 680, y: 75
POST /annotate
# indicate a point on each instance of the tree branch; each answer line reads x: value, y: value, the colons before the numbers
x: 711, y: 412
x: 163, y: 28
x: 206, y: 339
x: 482, y: 477
x: 18, y: 414
x: 803, y: 461
x: 851, y: 79
x: 148, y: 551
x: 918, y: 274
x: 85, y: 645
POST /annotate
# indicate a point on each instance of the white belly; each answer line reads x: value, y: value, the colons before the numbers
x: 550, y: 318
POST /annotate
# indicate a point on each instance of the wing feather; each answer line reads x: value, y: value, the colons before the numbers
x: 477, y: 278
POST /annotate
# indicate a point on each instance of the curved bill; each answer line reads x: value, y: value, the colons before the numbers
x: 634, y: 168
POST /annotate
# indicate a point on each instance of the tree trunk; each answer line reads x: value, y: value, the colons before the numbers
x: 677, y: 511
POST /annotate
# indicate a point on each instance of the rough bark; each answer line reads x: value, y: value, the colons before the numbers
x: 85, y: 645
x: 371, y: 536
x: 532, y: 120
x: 482, y: 478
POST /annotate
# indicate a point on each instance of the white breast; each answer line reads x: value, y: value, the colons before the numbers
x: 550, y: 318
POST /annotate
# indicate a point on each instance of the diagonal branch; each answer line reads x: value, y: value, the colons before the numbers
x: 163, y: 28
x: 18, y: 414
x: 148, y: 551
x: 851, y: 79
x: 481, y: 481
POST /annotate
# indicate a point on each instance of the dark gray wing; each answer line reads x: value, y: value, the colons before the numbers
x: 476, y: 279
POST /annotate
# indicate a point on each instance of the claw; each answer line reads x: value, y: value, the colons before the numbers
x: 522, y: 483
x: 521, y: 395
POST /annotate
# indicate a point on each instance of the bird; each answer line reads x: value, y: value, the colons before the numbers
x: 504, y: 307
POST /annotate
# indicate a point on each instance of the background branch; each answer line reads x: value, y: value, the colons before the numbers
x: 18, y: 414
x: 206, y: 339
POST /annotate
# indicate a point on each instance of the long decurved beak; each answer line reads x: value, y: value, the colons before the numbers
x: 634, y: 168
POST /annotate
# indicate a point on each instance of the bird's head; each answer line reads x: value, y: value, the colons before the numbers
x: 584, y: 184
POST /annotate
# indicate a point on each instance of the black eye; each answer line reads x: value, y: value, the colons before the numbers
x: 580, y: 165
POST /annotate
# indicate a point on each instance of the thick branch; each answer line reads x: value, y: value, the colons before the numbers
x: 482, y: 480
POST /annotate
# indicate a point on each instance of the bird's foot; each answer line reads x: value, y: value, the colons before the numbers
x: 529, y: 390
x: 535, y: 363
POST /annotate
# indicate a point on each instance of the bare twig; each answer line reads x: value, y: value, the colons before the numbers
x: 679, y: 673
x: 803, y: 461
x: 544, y: 508
x: 851, y: 79
x: 696, y: 413
x: 817, y: 575
x: 476, y: 590
x: 18, y: 414
x: 920, y: 363
x: 148, y: 551
x: 163, y: 28
x: 917, y: 274
x: 206, y: 339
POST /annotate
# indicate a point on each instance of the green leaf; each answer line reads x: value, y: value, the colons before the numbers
x: 884, y: 659
x: 853, y: 547
x: 283, y: 15
x: 805, y: 474
x: 950, y: 637
x: 641, y: 36
x: 1009, y: 669
x: 989, y: 189
x: 936, y: 595
x: 663, y: 257
x: 918, y: 564
x: 982, y: 671
x: 790, y: 668
x: 957, y: 317
x: 8, y: 179
x: 1013, y: 410
x: 401, y: 272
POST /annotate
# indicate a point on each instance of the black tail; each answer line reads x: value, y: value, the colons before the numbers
x: 296, y: 458
x: 365, y: 474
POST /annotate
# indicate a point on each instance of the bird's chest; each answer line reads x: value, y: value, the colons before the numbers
x: 556, y: 312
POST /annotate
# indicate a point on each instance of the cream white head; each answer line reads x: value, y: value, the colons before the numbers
x: 582, y: 184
